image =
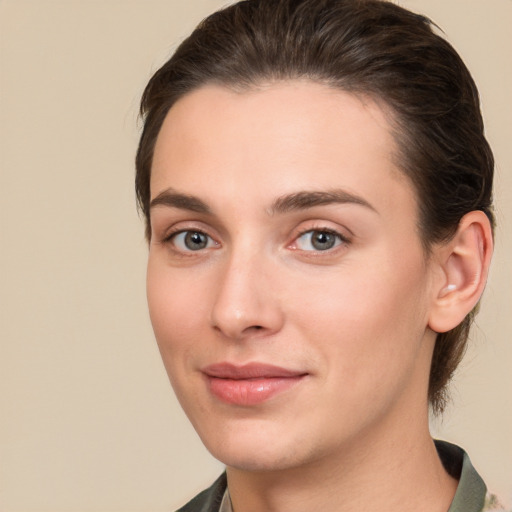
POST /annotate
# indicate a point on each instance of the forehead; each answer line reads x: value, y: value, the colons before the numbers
x: 274, y: 138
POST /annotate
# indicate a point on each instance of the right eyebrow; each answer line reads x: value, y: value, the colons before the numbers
x: 174, y: 199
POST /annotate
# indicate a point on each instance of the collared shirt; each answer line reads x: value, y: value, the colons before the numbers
x: 471, y: 490
x: 225, y: 505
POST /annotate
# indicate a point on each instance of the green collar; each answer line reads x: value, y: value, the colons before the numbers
x: 471, y: 491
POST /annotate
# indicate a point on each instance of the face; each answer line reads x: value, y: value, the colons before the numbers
x: 287, y: 285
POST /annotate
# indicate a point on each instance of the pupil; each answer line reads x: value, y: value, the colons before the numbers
x: 323, y: 240
x: 195, y: 241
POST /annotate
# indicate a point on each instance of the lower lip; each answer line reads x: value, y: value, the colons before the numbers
x: 250, y: 391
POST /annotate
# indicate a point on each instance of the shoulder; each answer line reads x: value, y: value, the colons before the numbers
x: 209, y: 500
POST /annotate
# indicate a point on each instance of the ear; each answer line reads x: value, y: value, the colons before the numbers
x: 464, y: 265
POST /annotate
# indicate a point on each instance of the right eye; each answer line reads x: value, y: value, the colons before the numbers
x: 191, y: 241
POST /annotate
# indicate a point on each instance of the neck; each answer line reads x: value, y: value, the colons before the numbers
x: 374, y: 472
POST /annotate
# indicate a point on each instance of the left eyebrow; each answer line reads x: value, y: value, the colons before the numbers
x: 308, y: 199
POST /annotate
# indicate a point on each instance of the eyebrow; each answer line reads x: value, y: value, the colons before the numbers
x: 308, y: 199
x: 174, y: 199
x: 296, y: 201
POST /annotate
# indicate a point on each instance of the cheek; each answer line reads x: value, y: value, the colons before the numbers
x: 176, y: 308
x: 368, y: 319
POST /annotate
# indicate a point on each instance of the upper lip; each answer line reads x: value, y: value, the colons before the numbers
x: 249, y: 371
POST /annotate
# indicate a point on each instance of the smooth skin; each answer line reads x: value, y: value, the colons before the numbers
x: 283, y: 233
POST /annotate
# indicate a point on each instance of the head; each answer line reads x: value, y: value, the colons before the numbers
x: 375, y: 51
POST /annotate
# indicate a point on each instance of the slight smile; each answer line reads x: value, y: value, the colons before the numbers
x: 250, y: 384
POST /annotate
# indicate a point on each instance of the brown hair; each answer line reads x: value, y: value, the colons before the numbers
x: 369, y: 47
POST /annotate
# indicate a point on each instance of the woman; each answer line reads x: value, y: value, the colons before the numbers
x: 317, y: 192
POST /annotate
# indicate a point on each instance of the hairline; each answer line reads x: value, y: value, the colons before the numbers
x: 396, y: 126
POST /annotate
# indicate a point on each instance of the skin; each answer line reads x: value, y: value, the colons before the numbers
x: 353, y: 319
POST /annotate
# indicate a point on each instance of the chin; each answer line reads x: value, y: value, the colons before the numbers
x: 257, y: 459
x: 256, y: 448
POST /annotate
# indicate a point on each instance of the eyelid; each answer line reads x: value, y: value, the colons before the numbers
x: 177, y: 242
x: 170, y: 229
x: 344, y: 240
x: 343, y: 234
x: 188, y: 227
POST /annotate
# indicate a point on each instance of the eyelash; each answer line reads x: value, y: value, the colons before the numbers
x: 341, y: 240
x: 170, y: 238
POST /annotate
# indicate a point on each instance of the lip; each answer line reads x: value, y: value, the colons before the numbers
x: 249, y: 384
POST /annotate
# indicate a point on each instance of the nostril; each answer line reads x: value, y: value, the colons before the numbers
x: 254, y: 328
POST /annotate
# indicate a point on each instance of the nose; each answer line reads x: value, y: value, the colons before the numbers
x: 247, y: 302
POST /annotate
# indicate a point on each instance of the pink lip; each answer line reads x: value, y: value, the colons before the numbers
x: 249, y: 384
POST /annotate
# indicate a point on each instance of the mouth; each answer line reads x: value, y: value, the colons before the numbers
x: 249, y: 384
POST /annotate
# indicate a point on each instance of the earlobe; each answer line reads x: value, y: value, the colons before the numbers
x: 464, y: 263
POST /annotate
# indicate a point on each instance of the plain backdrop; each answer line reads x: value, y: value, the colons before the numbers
x: 88, y: 421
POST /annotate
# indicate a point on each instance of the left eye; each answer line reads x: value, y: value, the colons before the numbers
x: 192, y: 241
x: 318, y: 240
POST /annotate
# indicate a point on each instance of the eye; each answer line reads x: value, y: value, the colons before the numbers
x: 192, y: 241
x: 318, y: 240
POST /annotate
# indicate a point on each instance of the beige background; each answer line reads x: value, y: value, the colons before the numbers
x: 87, y: 418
